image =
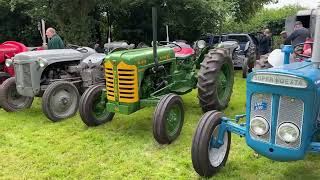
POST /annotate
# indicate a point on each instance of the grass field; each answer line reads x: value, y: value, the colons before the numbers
x: 32, y: 147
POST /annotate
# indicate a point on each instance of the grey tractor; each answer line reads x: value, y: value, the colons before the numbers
x: 58, y: 76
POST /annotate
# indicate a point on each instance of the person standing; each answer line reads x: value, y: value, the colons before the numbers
x: 284, y: 36
x: 265, y: 42
x: 299, y: 35
x: 54, y: 40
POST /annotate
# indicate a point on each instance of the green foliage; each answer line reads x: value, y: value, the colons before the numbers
x: 86, y: 21
x: 274, y: 19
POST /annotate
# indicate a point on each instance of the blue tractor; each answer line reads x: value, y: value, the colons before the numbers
x: 282, y: 116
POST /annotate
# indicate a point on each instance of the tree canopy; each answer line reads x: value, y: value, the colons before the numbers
x: 86, y: 21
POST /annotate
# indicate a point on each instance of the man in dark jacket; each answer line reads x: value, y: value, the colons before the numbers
x: 54, y: 40
x: 299, y: 35
x: 265, y: 42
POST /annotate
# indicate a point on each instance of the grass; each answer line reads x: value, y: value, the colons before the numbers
x: 32, y: 147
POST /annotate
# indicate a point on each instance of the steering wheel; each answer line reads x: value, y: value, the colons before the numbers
x: 298, y: 49
x: 165, y: 43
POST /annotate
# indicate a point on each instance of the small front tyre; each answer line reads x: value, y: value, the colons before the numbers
x: 93, y: 110
x: 10, y: 99
x: 168, y: 119
x: 60, y: 101
x: 206, y: 159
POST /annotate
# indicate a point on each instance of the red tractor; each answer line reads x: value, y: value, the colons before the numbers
x: 8, y: 50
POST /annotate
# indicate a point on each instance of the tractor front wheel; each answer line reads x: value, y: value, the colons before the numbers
x: 93, y: 111
x: 60, y: 101
x: 207, y: 157
x: 10, y: 99
x: 215, y: 80
x: 168, y: 119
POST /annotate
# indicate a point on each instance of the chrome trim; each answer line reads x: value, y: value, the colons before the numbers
x: 274, y: 79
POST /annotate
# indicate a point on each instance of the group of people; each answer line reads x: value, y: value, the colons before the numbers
x: 298, y: 36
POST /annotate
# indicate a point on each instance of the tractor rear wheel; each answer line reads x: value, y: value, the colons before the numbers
x: 10, y: 99
x: 60, y: 101
x: 93, y: 112
x: 215, y: 80
x: 168, y: 119
x: 206, y: 158
x: 3, y: 76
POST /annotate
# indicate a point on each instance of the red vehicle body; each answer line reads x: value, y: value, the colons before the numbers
x: 8, y: 50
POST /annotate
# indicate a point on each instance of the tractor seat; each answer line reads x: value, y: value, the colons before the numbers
x: 183, y: 52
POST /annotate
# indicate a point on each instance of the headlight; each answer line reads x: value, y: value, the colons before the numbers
x: 42, y: 62
x: 259, y: 126
x: 9, y: 62
x: 201, y: 44
x: 288, y: 132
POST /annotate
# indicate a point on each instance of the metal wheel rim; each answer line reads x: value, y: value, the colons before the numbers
x: 15, y: 99
x: 217, y: 155
x: 173, y: 120
x: 223, y: 80
x: 63, y: 101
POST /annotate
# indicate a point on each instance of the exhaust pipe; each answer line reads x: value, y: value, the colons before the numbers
x: 43, y: 29
x: 316, y: 46
x: 154, y: 37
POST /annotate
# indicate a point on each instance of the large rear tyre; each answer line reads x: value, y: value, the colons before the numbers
x: 10, y: 99
x: 168, y: 119
x: 93, y: 111
x: 207, y: 159
x: 215, y: 80
x: 3, y: 76
x: 60, y: 101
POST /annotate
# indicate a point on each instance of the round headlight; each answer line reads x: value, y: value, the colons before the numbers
x: 259, y: 126
x: 288, y: 132
x: 9, y: 62
x: 42, y: 62
x: 201, y: 44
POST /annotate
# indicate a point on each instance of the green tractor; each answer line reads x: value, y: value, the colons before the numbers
x: 157, y: 76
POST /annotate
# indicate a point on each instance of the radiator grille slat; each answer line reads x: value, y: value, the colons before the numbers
x: 127, y: 83
x: 109, y: 81
x: 290, y: 110
x: 23, y: 74
x: 261, y: 100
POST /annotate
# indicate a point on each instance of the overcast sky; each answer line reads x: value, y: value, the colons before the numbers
x: 304, y: 3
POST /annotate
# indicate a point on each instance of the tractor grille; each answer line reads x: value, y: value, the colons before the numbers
x: 265, y: 102
x: 290, y: 110
x: 110, y: 81
x: 23, y: 75
x: 127, y: 83
x: 122, y: 86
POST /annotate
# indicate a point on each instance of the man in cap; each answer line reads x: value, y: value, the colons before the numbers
x: 299, y: 35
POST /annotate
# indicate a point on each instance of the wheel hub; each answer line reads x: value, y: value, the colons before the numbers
x: 61, y: 101
x: 216, y: 155
x: 173, y: 120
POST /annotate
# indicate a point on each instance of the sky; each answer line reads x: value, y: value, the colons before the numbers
x: 304, y: 3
